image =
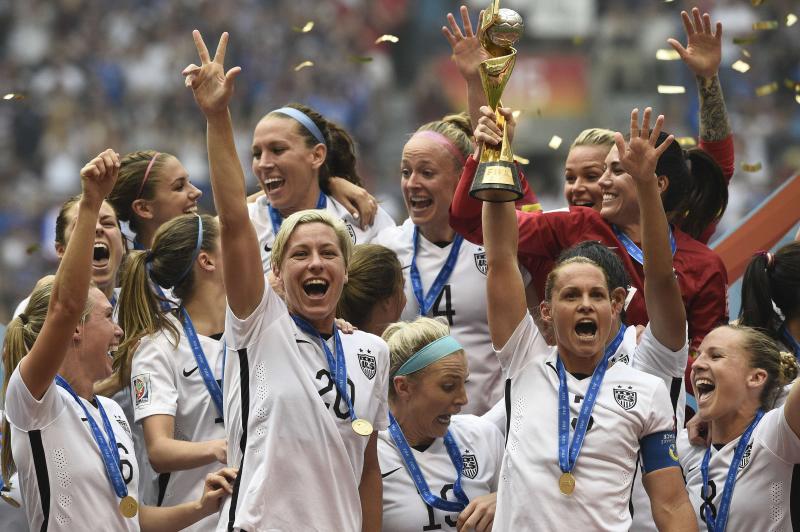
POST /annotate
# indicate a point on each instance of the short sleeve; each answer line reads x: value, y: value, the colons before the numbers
x: 240, y: 333
x: 653, y: 357
x: 382, y: 221
x: 497, y: 415
x: 778, y: 437
x: 152, y: 367
x: 26, y: 412
x: 660, y: 417
x: 525, y: 344
x: 382, y: 390
x: 497, y: 446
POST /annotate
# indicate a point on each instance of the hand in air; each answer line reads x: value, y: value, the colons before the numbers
x: 640, y: 155
x: 99, y: 175
x: 467, y: 50
x: 488, y: 131
x: 703, y: 52
x: 211, y: 85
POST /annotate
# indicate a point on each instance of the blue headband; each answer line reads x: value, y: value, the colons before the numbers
x: 306, y: 122
x: 434, y: 351
x: 197, y: 247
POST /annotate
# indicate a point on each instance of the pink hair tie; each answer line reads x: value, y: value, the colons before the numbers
x: 769, y: 256
x: 147, y: 174
x: 444, y: 142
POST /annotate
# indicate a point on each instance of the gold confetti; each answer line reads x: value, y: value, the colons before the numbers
x: 686, y: 142
x: 765, y: 90
x: 744, y: 40
x: 521, y: 160
x: 791, y: 20
x: 792, y: 85
x: 306, y: 28
x: 664, y: 54
x: 386, y: 38
x: 516, y: 114
x: 756, y: 3
x: 303, y: 65
x: 755, y: 167
x: 671, y: 89
x: 555, y: 142
x: 360, y: 58
x: 797, y: 98
x: 765, y: 25
x: 746, y: 53
x: 740, y: 66
x: 31, y: 249
x: 577, y: 40
x: 14, y: 96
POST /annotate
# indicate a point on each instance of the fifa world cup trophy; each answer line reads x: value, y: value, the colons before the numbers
x: 497, y: 178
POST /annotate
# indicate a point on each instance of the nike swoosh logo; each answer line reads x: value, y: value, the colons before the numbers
x: 384, y: 475
x: 691, y: 469
x: 187, y: 373
x: 267, y: 248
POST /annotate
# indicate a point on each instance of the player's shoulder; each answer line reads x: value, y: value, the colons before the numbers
x: 363, y: 341
x: 697, y: 254
x: 474, y: 427
x: 631, y: 386
x: 396, y: 237
x: 111, y: 407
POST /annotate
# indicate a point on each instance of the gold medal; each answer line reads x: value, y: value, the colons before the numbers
x: 362, y: 427
x: 128, y: 506
x: 9, y: 499
x: 566, y: 483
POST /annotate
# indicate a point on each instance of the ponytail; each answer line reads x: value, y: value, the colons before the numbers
x: 789, y: 368
x: 706, y: 196
x: 771, y: 278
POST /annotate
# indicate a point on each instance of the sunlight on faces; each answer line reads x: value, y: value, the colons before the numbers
x: 620, y: 205
x: 312, y: 271
x: 722, y: 378
x: 581, y: 311
x: 99, y: 337
x: 286, y: 168
x: 108, y: 245
x: 582, y: 173
x: 174, y: 193
x: 429, y: 175
x: 432, y: 395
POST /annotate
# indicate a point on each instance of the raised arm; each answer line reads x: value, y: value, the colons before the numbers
x: 213, y: 88
x: 71, y: 284
x: 661, y: 291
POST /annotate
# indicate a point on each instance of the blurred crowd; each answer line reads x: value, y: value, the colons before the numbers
x: 90, y: 74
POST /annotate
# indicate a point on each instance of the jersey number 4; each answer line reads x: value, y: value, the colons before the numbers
x: 448, y: 311
x: 339, y: 404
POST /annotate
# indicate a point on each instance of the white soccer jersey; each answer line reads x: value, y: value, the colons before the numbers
x: 763, y: 498
x: 630, y: 406
x: 62, y: 476
x: 259, y: 216
x: 148, y: 478
x: 166, y: 380
x: 481, y: 447
x: 462, y: 302
x: 12, y: 517
x: 301, y: 462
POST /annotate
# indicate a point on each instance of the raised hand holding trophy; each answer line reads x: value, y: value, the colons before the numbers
x: 497, y: 178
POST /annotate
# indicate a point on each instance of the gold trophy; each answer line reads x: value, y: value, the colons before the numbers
x: 497, y: 178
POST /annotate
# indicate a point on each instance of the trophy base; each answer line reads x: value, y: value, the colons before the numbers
x: 496, y: 182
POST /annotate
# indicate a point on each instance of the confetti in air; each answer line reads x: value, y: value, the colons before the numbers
x: 755, y: 167
x: 765, y: 90
x: 765, y: 25
x: 521, y: 160
x: 686, y: 142
x: 303, y: 65
x: 791, y: 20
x: 555, y: 142
x: 740, y: 66
x: 671, y: 89
x: 664, y: 54
x: 386, y: 38
x: 306, y: 28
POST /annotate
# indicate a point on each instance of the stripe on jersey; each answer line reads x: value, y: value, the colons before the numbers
x: 163, y: 480
x: 794, y: 497
x: 42, y: 478
x: 675, y: 392
x: 244, y: 385
x: 507, y: 397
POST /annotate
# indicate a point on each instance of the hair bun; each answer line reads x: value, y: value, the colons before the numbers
x: 789, y: 368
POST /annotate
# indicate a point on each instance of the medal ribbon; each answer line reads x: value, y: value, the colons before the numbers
x: 721, y: 521
x: 419, y: 479
x: 790, y: 341
x: 110, y: 458
x: 202, y: 362
x: 277, y: 219
x: 425, y: 302
x: 338, y: 365
x: 633, y: 250
x: 568, y: 454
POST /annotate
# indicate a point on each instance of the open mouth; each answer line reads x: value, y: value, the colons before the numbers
x: 100, y: 254
x: 191, y: 210
x: 112, y: 350
x: 583, y: 203
x: 315, y: 288
x: 444, y: 420
x: 586, y: 329
x: 274, y: 183
x: 703, y: 388
x: 609, y: 197
x: 420, y: 203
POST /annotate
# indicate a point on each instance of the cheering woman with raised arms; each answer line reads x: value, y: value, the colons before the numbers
x: 572, y: 470
x: 310, y: 397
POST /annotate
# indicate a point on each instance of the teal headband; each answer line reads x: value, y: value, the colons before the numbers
x: 436, y: 350
x: 305, y: 121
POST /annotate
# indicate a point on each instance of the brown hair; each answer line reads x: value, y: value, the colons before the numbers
x: 552, y: 277
x: 374, y: 275
x: 130, y: 184
x: 62, y: 220
x: 771, y: 278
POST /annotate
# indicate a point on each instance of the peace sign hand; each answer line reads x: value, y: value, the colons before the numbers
x: 703, y: 52
x: 467, y: 50
x: 211, y: 85
x: 640, y: 156
x: 99, y: 175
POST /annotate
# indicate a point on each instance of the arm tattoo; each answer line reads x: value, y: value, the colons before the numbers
x: 714, y: 124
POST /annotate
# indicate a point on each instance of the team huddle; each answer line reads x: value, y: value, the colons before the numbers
x: 298, y: 362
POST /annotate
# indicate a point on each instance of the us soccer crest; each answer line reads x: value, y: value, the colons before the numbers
x: 367, y: 363
x: 141, y: 390
x: 469, y: 465
x: 351, y: 231
x: 746, y: 456
x: 625, y: 397
x: 480, y: 262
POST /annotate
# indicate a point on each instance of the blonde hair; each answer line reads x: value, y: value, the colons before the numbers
x: 310, y: 216
x: 406, y: 338
x: 594, y: 137
x: 456, y: 128
x: 374, y: 275
x: 21, y: 334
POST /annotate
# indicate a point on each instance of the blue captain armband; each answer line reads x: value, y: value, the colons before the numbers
x: 659, y: 451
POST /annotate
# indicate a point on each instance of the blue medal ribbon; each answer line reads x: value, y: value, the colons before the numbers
x: 568, y: 454
x: 277, y: 219
x: 719, y: 523
x: 108, y: 448
x: 633, y: 250
x: 424, y: 301
x: 790, y: 341
x: 202, y: 362
x: 337, y: 365
x: 419, y: 479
